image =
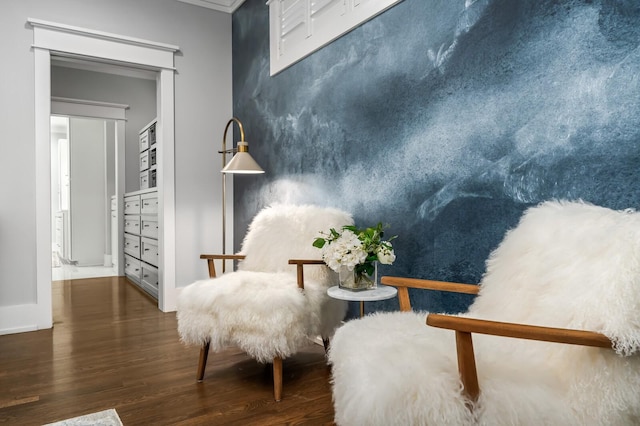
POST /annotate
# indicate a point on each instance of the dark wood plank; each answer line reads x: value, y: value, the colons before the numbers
x: 111, y: 347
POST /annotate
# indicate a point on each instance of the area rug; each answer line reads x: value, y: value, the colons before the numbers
x: 101, y: 418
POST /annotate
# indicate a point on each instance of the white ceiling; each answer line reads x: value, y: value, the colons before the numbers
x: 228, y: 6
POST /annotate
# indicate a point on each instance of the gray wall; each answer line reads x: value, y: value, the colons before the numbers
x: 202, y: 106
x: 446, y: 119
x: 138, y: 93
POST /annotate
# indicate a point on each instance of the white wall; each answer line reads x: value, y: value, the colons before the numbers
x: 202, y: 107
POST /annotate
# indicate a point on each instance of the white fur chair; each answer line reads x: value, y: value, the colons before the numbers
x: 567, y: 267
x: 268, y: 307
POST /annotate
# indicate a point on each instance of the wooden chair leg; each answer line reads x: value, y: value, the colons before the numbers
x: 325, y: 343
x: 467, y: 365
x: 277, y: 378
x: 202, y: 363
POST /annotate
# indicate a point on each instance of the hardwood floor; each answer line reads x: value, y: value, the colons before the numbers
x: 110, y: 347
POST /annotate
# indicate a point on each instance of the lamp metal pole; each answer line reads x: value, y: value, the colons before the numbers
x: 224, y: 184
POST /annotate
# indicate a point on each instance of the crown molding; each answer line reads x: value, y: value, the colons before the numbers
x: 228, y: 6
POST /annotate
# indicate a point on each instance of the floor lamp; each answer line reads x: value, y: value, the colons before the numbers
x: 241, y: 163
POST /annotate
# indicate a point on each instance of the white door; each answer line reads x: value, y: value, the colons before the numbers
x: 88, y: 196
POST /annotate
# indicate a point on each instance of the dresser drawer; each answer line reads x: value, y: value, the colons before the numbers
x: 149, y: 203
x: 149, y: 250
x: 144, y: 140
x: 132, y: 245
x: 132, y: 224
x: 149, y: 279
x: 132, y: 204
x: 132, y: 268
x: 144, y: 179
x: 144, y: 161
x: 149, y: 226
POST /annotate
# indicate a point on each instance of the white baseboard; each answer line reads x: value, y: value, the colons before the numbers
x: 22, y: 318
x: 18, y: 319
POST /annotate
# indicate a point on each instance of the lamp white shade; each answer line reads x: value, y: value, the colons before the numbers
x: 242, y: 162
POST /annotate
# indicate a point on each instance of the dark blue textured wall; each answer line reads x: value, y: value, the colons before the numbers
x: 446, y: 121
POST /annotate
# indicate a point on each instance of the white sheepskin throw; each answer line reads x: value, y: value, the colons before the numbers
x: 260, y: 308
x: 567, y: 264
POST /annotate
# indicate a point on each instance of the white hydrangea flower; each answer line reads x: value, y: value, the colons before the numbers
x: 355, y: 249
x: 346, y: 250
x: 386, y: 255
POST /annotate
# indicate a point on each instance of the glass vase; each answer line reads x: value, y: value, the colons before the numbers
x: 351, y: 280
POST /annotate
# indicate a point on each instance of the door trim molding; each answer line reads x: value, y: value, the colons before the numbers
x: 53, y: 38
x: 104, y: 111
x: 89, y: 109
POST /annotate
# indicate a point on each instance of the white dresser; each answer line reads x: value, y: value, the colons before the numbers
x: 141, y: 232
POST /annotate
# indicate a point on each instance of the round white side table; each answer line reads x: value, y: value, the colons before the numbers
x: 381, y: 292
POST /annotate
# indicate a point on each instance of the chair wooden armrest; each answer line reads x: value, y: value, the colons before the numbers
x: 211, y: 257
x: 300, y: 268
x: 464, y: 344
x: 403, y: 285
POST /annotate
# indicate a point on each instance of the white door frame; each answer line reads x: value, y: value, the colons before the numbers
x: 104, y: 111
x: 73, y: 41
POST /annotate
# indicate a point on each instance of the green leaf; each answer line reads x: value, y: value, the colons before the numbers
x: 319, y: 242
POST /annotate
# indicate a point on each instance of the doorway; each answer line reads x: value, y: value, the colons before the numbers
x: 51, y: 38
x: 84, y: 221
x: 87, y: 126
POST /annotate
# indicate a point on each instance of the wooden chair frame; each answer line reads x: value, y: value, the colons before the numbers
x: 277, y: 361
x: 464, y: 327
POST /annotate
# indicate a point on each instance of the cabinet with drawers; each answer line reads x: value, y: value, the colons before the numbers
x: 141, y: 233
x: 148, y: 149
